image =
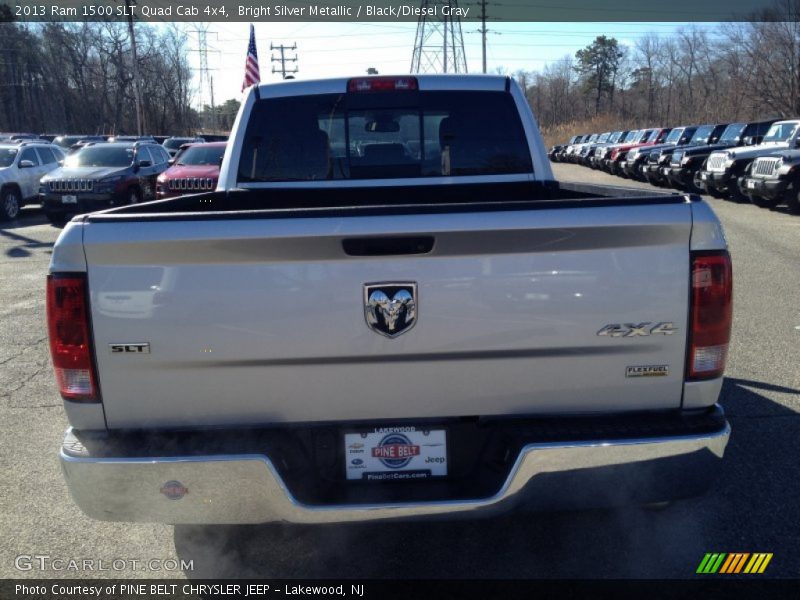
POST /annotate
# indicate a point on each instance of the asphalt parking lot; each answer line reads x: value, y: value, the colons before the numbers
x: 752, y: 508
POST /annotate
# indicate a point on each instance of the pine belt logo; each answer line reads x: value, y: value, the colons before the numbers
x: 734, y: 563
x: 395, y: 451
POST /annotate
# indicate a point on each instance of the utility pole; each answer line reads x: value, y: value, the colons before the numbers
x: 283, y: 59
x: 213, y: 108
x: 136, y: 93
x: 483, y: 32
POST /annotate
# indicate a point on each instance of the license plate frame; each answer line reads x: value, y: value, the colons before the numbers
x: 69, y: 199
x: 751, y: 185
x: 401, y: 453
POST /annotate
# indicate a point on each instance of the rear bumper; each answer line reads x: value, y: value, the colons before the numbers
x: 649, y: 465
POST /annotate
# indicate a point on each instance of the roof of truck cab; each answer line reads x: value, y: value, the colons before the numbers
x: 302, y: 87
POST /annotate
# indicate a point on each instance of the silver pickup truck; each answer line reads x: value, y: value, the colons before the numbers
x: 389, y: 309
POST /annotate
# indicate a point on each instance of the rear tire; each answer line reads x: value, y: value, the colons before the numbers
x: 10, y: 204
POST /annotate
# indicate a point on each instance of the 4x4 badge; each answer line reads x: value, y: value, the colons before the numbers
x: 390, y: 308
x: 637, y: 329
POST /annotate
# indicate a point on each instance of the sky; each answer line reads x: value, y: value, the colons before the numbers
x: 348, y: 49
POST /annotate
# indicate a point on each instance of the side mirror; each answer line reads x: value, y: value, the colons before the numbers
x: 747, y: 141
x: 145, y: 163
x: 171, y: 161
x: 26, y: 164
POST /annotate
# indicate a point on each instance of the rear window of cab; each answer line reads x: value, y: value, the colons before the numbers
x: 403, y: 134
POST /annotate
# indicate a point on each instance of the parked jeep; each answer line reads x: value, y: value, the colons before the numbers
x: 21, y: 167
x: 194, y: 169
x: 556, y: 153
x: 773, y: 179
x: 636, y: 159
x: 724, y: 168
x: 102, y: 176
x: 573, y: 149
x: 588, y: 153
x: 686, y: 165
x: 658, y: 165
x: 602, y: 154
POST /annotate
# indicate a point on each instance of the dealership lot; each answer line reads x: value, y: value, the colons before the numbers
x: 752, y: 508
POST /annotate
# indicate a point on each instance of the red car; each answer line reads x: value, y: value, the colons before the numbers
x: 195, y: 169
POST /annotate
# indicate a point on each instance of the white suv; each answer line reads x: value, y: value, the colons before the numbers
x: 22, y: 165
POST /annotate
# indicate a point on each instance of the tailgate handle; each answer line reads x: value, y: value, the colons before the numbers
x: 388, y: 246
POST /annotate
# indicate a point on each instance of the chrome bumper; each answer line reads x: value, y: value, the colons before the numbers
x: 232, y: 489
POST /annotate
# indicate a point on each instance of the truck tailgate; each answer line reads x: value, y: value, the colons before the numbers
x: 263, y: 320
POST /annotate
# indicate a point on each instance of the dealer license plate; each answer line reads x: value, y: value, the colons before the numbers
x: 395, y: 454
x: 751, y: 184
x: 69, y: 199
x: 703, y: 176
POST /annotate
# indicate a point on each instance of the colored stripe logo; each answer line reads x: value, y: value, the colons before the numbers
x: 734, y: 562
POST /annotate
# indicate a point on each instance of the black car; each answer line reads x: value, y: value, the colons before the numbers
x: 102, y: 176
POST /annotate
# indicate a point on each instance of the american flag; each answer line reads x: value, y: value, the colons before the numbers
x: 252, y: 75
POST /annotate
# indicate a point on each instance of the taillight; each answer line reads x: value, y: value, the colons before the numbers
x: 710, y: 315
x: 382, y: 84
x: 70, y: 341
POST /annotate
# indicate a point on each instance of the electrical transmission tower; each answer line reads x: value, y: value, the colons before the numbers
x: 206, y: 81
x: 439, y: 44
x: 283, y: 59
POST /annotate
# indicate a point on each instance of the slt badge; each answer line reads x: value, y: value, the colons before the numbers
x: 390, y: 308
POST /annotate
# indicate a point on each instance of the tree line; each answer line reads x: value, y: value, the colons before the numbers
x: 733, y: 71
x: 77, y: 78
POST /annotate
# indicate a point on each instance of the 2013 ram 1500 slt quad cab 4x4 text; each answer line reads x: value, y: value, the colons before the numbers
x: 389, y: 309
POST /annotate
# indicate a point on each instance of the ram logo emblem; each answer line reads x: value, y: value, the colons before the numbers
x: 390, y: 308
